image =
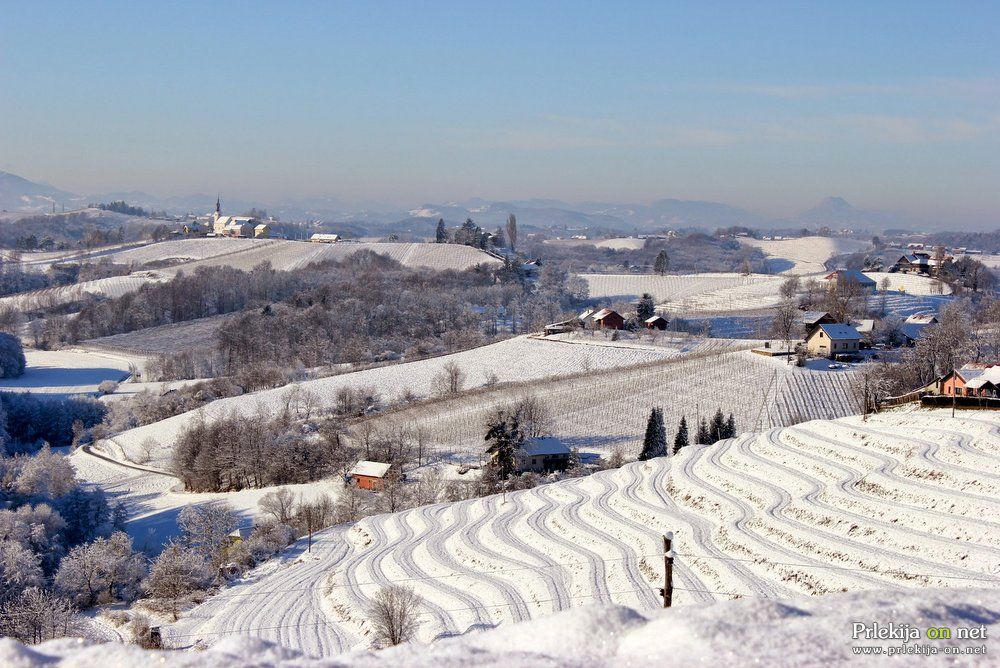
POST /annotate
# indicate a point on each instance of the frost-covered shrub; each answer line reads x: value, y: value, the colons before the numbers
x: 11, y: 356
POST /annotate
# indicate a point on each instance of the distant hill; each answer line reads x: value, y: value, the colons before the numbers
x: 20, y: 194
x: 837, y: 213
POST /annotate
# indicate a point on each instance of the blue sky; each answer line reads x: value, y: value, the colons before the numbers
x: 771, y: 106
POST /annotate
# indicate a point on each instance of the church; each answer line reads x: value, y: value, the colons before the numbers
x: 244, y: 227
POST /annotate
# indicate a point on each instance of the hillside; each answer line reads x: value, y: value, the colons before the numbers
x: 804, y: 255
x: 690, y: 294
x: 905, y: 500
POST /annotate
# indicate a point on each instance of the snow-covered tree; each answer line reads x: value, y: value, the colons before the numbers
x: 279, y: 504
x: 20, y: 568
x: 37, y: 615
x: 205, y: 528
x: 102, y: 571
x: 654, y: 443
x: 646, y: 308
x: 177, y: 572
x: 681, y: 439
x: 662, y: 262
x: 46, y: 474
x: 393, y: 614
x: 11, y: 356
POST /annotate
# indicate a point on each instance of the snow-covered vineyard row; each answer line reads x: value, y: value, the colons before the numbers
x: 522, y: 358
x: 114, y: 286
x: 164, y: 339
x: 690, y: 292
x: 902, y: 501
x: 599, y: 411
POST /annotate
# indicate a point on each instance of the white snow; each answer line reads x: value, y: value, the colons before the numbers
x: 794, y: 632
x: 66, y: 372
x: 805, y: 255
x: 690, y: 293
x: 905, y: 500
x: 911, y: 284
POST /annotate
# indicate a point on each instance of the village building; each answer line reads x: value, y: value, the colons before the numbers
x: 809, y: 320
x: 261, y: 231
x: 849, y: 275
x: 656, y: 322
x: 920, y: 262
x: 972, y: 380
x: 608, y: 319
x: 543, y: 455
x: 320, y: 238
x: 562, y: 327
x: 233, y: 226
x: 369, y: 475
x: 921, y: 319
x: 830, y: 340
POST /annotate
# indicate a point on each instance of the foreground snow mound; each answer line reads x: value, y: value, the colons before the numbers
x: 797, y: 632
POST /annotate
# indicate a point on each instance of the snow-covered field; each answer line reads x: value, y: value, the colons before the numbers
x: 598, y: 411
x: 627, y: 243
x: 805, y: 255
x: 165, y: 339
x: 66, y: 372
x: 911, y: 284
x: 690, y: 293
x: 795, y: 632
x: 519, y: 359
x: 904, y: 500
x: 243, y: 254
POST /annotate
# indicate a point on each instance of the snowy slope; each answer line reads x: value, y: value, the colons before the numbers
x: 804, y: 255
x: 66, y: 372
x: 690, y: 293
x: 518, y: 359
x: 795, y: 632
x: 911, y: 284
x: 905, y: 500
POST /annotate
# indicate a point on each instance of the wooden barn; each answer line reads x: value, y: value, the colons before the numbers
x: 608, y: 319
x: 369, y: 475
x: 656, y: 322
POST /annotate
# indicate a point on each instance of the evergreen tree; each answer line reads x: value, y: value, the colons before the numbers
x: 646, y: 308
x: 681, y: 439
x: 718, y: 427
x: 731, y: 427
x: 512, y: 230
x: 654, y: 444
x: 442, y: 232
x: 703, y: 433
x: 504, y: 434
x: 661, y: 263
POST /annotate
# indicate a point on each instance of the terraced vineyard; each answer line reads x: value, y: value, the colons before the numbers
x: 905, y: 500
x: 690, y: 293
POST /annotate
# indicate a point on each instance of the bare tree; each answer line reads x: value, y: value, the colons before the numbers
x: 393, y: 614
x: 279, y: 504
x: 784, y: 323
x: 790, y: 287
x: 451, y: 379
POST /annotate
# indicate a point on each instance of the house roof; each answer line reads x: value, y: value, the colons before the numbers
x: 370, y: 469
x: 586, y: 314
x: 840, y: 332
x: 812, y: 317
x: 913, y: 330
x: 977, y: 375
x: 864, y: 326
x: 654, y: 319
x: 319, y: 236
x: 850, y: 275
x: 603, y: 313
x: 261, y: 226
x: 922, y: 318
x: 536, y: 447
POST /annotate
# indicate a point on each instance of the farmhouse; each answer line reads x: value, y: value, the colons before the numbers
x: 972, y: 380
x: 369, y: 475
x: 920, y: 262
x: 261, y: 231
x: 656, y: 322
x: 319, y: 238
x: 832, y: 340
x: 812, y: 319
x: 849, y: 276
x: 608, y: 319
x: 543, y: 455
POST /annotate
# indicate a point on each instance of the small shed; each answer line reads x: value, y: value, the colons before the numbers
x: 262, y: 231
x: 656, y: 322
x: 832, y: 340
x: 320, y: 238
x: 543, y: 455
x: 850, y: 276
x: 369, y: 475
x: 608, y: 319
x: 561, y: 327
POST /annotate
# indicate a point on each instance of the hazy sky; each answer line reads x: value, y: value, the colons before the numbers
x: 770, y: 106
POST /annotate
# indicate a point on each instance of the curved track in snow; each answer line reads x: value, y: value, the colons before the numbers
x: 902, y: 500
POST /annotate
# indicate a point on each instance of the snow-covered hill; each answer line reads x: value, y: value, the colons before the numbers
x: 795, y: 632
x: 804, y: 255
x: 690, y: 293
x: 904, y: 500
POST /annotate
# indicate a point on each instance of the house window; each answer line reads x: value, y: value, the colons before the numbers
x: 532, y: 460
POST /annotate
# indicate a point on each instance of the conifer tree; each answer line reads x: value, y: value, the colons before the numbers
x: 654, y: 444
x: 731, y: 427
x: 661, y: 263
x: 646, y: 308
x: 681, y: 439
x: 703, y: 434
x: 442, y: 232
x: 718, y: 427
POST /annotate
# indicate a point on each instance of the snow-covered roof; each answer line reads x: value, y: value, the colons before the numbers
x: 977, y: 375
x: 536, y: 447
x: 811, y: 317
x: 650, y: 321
x: 603, y: 313
x: 586, y: 314
x: 324, y: 237
x: 840, y: 331
x: 912, y: 330
x: 922, y: 318
x: 262, y: 226
x: 850, y: 275
x: 370, y: 469
x: 864, y: 326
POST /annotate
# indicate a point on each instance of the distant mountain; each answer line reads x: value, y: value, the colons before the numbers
x: 676, y: 213
x: 20, y: 194
x: 838, y: 213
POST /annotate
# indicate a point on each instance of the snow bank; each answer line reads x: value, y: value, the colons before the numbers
x: 798, y: 632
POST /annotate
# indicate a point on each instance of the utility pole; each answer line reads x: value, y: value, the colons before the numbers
x: 668, y: 569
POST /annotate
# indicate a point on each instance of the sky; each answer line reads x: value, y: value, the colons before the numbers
x: 770, y: 106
